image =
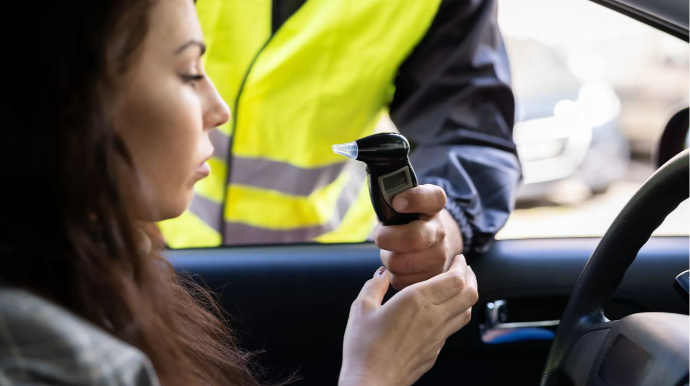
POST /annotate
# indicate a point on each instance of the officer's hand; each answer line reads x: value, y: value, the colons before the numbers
x: 421, y: 249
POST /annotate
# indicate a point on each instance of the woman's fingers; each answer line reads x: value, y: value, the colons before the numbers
x: 463, y: 300
x: 422, y: 316
x: 445, y: 286
x: 373, y: 291
x: 457, y: 322
x: 453, y: 294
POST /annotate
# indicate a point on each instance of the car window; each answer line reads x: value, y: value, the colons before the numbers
x: 594, y: 92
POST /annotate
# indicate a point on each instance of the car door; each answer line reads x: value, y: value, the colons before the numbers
x: 594, y: 91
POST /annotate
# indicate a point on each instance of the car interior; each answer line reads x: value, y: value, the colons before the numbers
x: 609, y: 310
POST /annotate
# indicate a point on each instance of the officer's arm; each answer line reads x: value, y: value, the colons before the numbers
x: 453, y: 101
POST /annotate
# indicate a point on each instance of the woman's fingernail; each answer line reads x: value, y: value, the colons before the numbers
x: 380, y: 271
x: 400, y: 203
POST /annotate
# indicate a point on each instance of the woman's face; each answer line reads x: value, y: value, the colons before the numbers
x: 168, y: 106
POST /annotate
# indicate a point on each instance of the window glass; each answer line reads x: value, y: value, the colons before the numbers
x: 594, y: 92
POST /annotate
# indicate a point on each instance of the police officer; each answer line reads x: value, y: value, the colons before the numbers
x: 301, y: 75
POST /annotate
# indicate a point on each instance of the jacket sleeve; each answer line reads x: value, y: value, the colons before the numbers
x: 42, y: 343
x: 453, y: 101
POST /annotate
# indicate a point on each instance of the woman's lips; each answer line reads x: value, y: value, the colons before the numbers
x: 203, y: 170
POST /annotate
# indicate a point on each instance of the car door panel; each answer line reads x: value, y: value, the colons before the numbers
x: 293, y: 301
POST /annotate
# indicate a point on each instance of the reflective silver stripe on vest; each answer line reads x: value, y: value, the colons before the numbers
x: 282, y: 177
x: 208, y: 211
x: 274, y: 175
x: 243, y: 234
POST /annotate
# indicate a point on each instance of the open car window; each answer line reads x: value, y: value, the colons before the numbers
x: 594, y: 92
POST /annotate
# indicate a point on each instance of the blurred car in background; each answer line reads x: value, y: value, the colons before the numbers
x: 567, y: 132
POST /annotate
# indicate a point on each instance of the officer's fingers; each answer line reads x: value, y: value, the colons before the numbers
x: 432, y: 261
x: 414, y: 237
x: 425, y: 199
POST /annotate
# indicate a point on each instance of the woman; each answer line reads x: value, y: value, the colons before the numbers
x: 107, y: 130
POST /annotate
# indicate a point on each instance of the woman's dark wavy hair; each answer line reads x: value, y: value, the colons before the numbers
x: 66, y: 233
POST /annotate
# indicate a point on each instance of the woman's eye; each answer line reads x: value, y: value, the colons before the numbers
x: 191, y: 79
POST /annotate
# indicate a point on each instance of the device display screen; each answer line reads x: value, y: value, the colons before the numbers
x: 395, y: 180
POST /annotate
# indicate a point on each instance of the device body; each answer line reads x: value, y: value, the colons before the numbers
x: 389, y: 172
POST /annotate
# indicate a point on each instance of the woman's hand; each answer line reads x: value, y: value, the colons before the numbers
x: 396, y: 343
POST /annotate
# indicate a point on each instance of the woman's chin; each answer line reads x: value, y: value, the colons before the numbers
x: 175, y: 211
x: 166, y: 212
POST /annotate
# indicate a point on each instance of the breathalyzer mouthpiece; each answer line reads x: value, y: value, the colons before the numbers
x: 348, y: 150
x: 389, y: 172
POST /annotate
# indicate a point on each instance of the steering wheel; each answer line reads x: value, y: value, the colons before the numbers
x: 638, y: 350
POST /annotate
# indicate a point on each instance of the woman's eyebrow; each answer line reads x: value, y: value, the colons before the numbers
x: 190, y: 43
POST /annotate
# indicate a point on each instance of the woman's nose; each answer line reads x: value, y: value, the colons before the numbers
x: 217, y: 111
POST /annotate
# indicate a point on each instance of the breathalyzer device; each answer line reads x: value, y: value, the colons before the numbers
x: 389, y: 172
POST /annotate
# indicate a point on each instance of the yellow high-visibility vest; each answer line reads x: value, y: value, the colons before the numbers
x: 324, y: 77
